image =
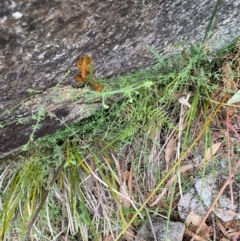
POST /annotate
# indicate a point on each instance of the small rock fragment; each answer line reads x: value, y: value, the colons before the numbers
x: 175, y: 231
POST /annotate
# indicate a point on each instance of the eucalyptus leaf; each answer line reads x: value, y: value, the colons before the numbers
x: 235, y: 98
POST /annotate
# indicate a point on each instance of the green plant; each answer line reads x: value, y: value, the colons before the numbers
x: 78, y: 179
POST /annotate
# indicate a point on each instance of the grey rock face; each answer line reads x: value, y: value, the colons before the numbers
x: 200, y: 198
x: 175, y: 231
x: 42, y: 39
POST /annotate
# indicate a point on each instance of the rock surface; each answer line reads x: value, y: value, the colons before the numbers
x: 200, y: 198
x: 175, y: 231
x: 42, y: 39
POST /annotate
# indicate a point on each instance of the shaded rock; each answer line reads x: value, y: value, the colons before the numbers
x: 52, y: 110
x: 41, y: 40
x: 175, y: 231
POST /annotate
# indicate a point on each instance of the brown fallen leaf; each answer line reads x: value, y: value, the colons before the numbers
x: 227, y: 212
x: 230, y: 127
x: 194, y: 219
x: 195, y: 236
x: 123, y: 190
x: 109, y: 238
x: 170, y: 150
x: 211, y: 152
x: 171, y: 181
x: 130, y: 180
x: 224, y: 231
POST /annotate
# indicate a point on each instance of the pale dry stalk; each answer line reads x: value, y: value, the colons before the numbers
x: 217, y: 197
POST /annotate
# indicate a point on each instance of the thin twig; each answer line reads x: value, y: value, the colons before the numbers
x: 214, y: 227
x: 229, y: 161
x: 197, y: 237
x: 217, y: 197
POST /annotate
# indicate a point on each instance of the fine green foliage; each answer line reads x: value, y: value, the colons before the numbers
x: 74, y: 183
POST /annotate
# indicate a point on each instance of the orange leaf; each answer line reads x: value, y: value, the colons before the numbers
x: 82, y: 64
x: 85, y: 67
x: 78, y: 78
